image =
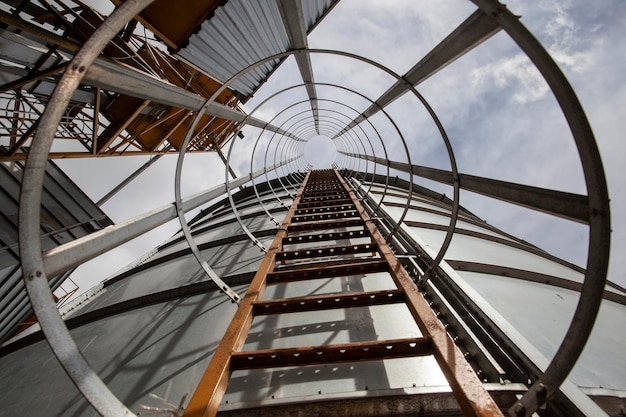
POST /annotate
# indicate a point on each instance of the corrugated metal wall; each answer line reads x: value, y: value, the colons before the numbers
x: 241, y: 33
x: 66, y: 214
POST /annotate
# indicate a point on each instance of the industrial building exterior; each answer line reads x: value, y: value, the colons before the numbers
x: 353, y: 290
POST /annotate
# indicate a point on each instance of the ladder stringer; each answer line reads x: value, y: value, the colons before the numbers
x: 212, y: 386
x: 468, y: 389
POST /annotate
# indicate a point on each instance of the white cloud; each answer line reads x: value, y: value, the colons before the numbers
x: 516, y: 72
x: 575, y: 61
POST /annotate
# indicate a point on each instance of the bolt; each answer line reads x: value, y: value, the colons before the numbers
x: 33, y: 275
x: 519, y: 409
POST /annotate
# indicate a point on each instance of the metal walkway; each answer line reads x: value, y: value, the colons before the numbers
x: 325, y: 210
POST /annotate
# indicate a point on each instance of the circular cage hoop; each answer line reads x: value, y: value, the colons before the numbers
x: 599, y: 213
x: 35, y: 278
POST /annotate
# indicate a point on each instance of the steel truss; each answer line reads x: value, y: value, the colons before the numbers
x: 101, y: 119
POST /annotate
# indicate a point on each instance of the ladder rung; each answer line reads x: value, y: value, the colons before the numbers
x: 322, y: 237
x: 326, y: 209
x: 309, y: 204
x: 326, y: 251
x: 345, y: 352
x: 328, y: 302
x: 325, y: 216
x: 326, y: 271
x: 331, y: 198
x: 324, y: 191
x: 335, y: 224
x: 322, y: 184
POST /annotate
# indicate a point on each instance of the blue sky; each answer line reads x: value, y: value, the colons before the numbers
x: 501, y: 119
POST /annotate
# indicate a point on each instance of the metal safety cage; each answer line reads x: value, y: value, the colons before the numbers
x: 490, y: 17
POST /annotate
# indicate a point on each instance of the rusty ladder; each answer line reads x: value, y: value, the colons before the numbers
x: 326, y: 202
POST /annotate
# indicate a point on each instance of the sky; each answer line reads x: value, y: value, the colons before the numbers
x: 500, y: 116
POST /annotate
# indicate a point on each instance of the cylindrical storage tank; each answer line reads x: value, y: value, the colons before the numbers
x: 151, y: 330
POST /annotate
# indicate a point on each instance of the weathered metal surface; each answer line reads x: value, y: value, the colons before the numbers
x: 327, y: 302
x: 505, y: 322
x: 326, y: 225
x: 326, y: 251
x: 321, y: 237
x: 330, y: 215
x: 418, y: 402
x: 346, y: 268
x: 174, y: 24
x: 317, y: 210
x: 322, y: 204
x: 346, y: 352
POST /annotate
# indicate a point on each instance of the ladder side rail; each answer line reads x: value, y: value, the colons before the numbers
x: 467, y: 388
x: 206, y: 399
